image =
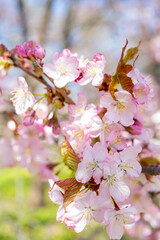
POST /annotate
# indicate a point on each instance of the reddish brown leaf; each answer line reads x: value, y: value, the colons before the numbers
x: 125, y: 68
x: 126, y: 82
x: 69, y: 194
x: 121, y: 58
x: 105, y: 84
x: 68, y: 183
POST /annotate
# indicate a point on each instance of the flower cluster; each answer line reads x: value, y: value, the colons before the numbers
x: 105, y: 145
x: 30, y: 50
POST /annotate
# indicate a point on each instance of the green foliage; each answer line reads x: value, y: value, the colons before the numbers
x: 22, y: 219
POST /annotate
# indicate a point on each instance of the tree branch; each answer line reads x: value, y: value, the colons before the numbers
x: 32, y: 74
x: 151, y: 170
x: 57, y: 91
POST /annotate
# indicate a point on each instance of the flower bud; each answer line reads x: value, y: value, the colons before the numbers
x: 136, y: 128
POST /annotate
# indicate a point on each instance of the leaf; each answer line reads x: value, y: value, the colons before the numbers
x: 113, y: 85
x: 3, y: 49
x: 70, y: 194
x: 70, y: 157
x: 122, y: 70
x: 71, y: 187
x: 68, y: 183
x: 131, y: 52
x: 121, y: 58
x: 126, y: 82
x: 125, y: 68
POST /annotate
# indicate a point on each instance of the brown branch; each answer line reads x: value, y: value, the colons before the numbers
x: 151, y: 170
x: 61, y: 92
x: 57, y: 91
x: 32, y: 74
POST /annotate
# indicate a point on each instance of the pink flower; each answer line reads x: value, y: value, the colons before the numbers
x: 115, y: 219
x: 99, y: 57
x: 136, y: 128
x: 64, y: 68
x: 136, y: 75
x: 122, y: 110
x: 55, y: 193
x: 128, y: 162
x: 29, y: 49
x: 115, y: 140
x: 29, y: 117
x: 29, y: 150
x: 115, y: 187
x: 76, y: 134
x: 112, y: 184
x: 85, y: 208
x: 92, y: 163
x: 109, y: 130
x: 22, y: 98
x: 87, y: 115
x: 3, y: 73
x: 141, y: 92
x: 93, y: 71
x: 76, y: 111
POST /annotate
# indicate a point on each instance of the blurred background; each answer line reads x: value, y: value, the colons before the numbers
x: 85, y: 27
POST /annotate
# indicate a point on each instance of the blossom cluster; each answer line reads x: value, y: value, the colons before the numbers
x: 30, y: 50
x: 105, y: 145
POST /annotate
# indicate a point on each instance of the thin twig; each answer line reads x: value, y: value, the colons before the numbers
x: 57, y: 91
x: 151, y: 170
x: 32, y: 74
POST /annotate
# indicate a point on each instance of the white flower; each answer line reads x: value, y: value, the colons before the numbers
x: 22, y: 98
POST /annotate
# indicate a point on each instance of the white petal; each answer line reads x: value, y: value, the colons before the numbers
x: 119, y: 191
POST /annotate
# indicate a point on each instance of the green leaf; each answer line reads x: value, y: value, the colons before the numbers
x: 131, y: 52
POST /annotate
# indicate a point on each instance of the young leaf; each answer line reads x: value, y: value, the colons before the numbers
x: 113, y: 85
x: 126, y: 82
x: 70, y: 157
x: 68, y: 183
x: 131, y: 52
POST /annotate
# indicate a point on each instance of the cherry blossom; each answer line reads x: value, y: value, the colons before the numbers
x: 122, y: 110
x: 112, y: 183
x: 29, y: 49
x: 22, y: 98
x: 92, y: 163
x: 127, y: 160
x: 105, y: 144
x: 26, y: 152
x: 84, y: 209
x: 64, y: 69
x: 115, y: 219
x: 93, y: 71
